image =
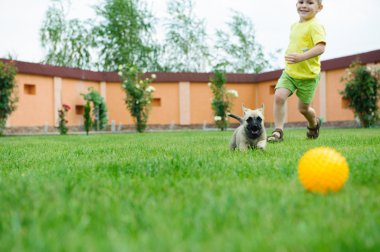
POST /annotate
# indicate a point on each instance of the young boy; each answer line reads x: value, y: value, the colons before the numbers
x: 301, y: 74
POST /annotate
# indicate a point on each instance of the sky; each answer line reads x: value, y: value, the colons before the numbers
x: 352, y: 26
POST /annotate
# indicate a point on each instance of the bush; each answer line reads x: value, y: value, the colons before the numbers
x: 99, y: 109
x: 139, y: 94
x: 362, y: 92
x: 87, y: 117
x: 222, y: 100
x: 62, y: 125
x: 7, y: 85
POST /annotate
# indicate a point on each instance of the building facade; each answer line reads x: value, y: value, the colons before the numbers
x: 180, y: 99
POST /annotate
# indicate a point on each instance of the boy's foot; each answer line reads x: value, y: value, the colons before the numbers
x: 276, y: 137
x: 313, y: 133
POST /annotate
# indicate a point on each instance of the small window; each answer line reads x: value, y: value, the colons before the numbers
x: 156, y: 102
x: 29, y: 89
x: 345, y: 103
x: 272, y: 89
x: 79, y: 109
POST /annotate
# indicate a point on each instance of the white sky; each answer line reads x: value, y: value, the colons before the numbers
x: 353, y: 26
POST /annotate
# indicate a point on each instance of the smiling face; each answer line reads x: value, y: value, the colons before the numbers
x: 307, y: 9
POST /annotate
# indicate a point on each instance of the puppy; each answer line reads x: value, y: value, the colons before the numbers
x: 251, y: 132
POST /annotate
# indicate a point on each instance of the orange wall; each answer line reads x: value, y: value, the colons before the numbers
x: 200, y: 104
x: 334, y: 100
x: 117, y: 109
x: 37, y: 109
x: 168, y: 111
x: 71, y: 95
x: 264, y: 96
x: 247, y: 97
x: 201, y: 98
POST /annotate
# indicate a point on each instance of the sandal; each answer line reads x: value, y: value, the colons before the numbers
x: 313, y: 133
x: 274, y: 138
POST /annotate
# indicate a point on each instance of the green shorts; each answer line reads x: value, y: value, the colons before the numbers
x: 305, y: 88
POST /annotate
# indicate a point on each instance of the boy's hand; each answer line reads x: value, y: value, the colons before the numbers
x: 293, y: 58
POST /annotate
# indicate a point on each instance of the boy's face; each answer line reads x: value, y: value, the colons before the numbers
x: 307, y: 9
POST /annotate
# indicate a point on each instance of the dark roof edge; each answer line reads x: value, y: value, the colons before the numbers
x: 344, y: 62
x: 76, y: 73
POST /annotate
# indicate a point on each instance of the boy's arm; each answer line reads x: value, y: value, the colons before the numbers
x: 317, y: 50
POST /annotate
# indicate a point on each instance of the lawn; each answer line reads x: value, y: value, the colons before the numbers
x: 183, y: 191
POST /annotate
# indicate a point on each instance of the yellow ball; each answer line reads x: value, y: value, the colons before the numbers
x: 323, y: 170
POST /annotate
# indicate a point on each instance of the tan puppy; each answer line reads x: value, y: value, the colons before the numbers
x: 251, y: 132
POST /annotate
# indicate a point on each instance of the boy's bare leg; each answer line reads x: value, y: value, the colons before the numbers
x: 308, y: 112
x: 280, y: 97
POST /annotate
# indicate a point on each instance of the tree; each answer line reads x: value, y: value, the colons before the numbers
x: 185, y: 48
x: 7, y: 99
x: 122, y: 34
x: 240, y: 51
x: 67, y: 42
x: 362, y: 92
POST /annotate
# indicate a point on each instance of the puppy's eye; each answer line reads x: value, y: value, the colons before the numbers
x: 249, y: 119
x: 259, y: 119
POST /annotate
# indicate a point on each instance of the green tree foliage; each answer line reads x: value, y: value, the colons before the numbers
x: 7, y: 99
x: 124, y: 35
x: 67, y: 42
x: 238, y: 49
x: 222, y: 100
x: 121, y: 34
x: 185, y: 48
x: 362, y: 92
x: 139, y: 94
x: 99, y: 109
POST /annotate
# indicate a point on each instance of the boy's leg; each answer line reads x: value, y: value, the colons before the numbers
x: 280, y: 97
x: 314, y: 123
x: 308, y: 112
x: 305, y: 93
x: 284, y: 88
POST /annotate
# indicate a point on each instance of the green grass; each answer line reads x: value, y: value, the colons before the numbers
x: 183, y: 191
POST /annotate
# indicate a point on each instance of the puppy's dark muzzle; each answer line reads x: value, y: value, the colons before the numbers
x: 254, y: 128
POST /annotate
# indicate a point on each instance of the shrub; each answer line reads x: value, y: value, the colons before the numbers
x: 7, y: 99
x: 87, y: 117
x: 99, y: 109
x: 62, y: 125
x: 362, y: 92
x: 222, y: 100
x: 139, y: 94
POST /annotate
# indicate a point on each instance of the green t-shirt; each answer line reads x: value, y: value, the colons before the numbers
x: 303, y: 37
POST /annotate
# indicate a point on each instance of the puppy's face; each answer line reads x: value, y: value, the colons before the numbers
x: 253, y: 121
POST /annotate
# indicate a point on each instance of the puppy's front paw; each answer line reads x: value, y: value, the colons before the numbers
x: 262, y: 144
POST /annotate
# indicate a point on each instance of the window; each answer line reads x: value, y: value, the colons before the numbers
x: 345, y: 103
x: 272, y: 89
x: 30, y: 89
x: 79, y: 109
x: 156, y: 102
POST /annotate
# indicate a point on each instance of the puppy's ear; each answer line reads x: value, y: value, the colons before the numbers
x: 244, y: 109
x: 262, y: 108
